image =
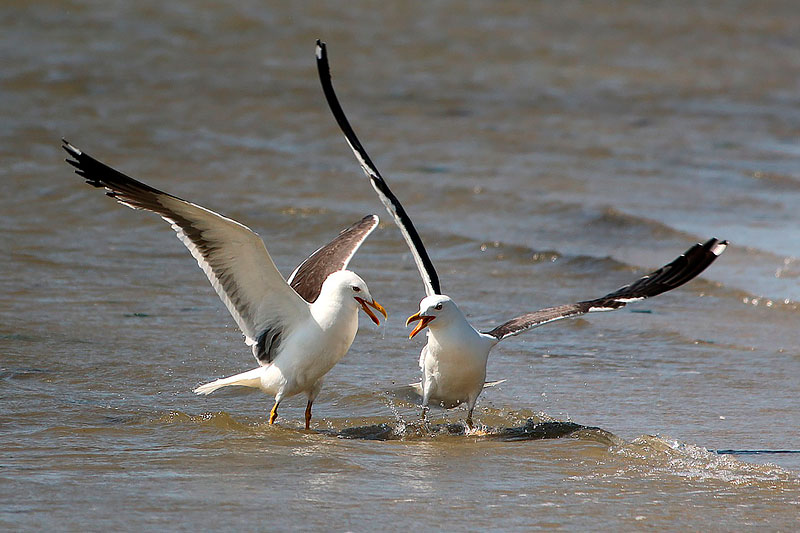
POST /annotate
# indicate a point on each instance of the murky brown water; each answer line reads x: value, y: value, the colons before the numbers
x: 547, y: 152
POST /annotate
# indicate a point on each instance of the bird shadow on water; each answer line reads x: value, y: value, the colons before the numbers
x: 495, y: 425
x: 402, y: 430
x: 532, y: 429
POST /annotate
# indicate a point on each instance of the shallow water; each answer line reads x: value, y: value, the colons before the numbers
x: 546, y: 153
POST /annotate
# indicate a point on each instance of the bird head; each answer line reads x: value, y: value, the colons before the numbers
x: 349, y: 285
x: 431, y: 308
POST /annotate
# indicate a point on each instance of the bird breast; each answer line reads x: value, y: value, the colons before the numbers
x: 331, y: 331
x: 457, y: 358
x: 315, y: 346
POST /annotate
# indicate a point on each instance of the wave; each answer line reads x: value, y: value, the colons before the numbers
x: 647, y: 456
x: 652, y: 454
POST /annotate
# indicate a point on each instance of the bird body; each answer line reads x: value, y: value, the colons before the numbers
x: 313, y: 346
x: 453, y: 362
x: 297, y: 329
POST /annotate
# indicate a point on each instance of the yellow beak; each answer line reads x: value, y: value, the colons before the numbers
x: 423, y: 322
x: 369, y: 312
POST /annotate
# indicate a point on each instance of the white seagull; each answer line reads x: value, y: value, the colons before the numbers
x: 297, y: 329
x: 453, y: 362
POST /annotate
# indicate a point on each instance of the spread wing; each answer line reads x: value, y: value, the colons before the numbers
x: 684, y: 268
x: 429, y: 277
x: 307, y: 278
x: 232, y: 256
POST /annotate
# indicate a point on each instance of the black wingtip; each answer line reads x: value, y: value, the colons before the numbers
x: 683, y: 269
x: 71, y: 150
x: 394, y: 206
x: 75, y: 154
x: 716, y: 246
x: 98, y: 174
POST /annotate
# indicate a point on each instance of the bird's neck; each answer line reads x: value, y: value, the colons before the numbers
x: 328, y: 310
x: 455, y: 330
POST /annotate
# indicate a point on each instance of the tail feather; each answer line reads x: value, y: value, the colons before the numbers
x: 251, y: 378
x: 417, y: 387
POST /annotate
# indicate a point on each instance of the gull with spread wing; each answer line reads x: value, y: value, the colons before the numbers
x: 453, y: 362
x: 299, y: 328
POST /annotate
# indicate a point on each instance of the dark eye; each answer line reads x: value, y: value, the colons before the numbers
x: 438, y: 307
x: 356, y: 289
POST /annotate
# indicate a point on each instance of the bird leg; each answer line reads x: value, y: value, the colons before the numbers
x: 469, y: 418
x: 308, y: 414
x: 274, y: 413
x: 424, y: 416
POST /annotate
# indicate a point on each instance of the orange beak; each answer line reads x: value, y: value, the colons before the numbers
x: 369, y: 312
x: 423, y: 322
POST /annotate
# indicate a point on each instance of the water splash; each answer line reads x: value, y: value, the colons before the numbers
x: 655, y: 455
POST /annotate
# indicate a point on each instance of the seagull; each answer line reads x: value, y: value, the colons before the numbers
x: 299, y: 328
x: 453, y: 362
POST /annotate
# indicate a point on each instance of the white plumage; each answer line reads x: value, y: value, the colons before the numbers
x: 297, y: 330
x: 453, y: 362
x: 314, y: 341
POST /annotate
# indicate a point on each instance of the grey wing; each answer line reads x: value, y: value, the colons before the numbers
x: 424, y: 264
x: 308, y: 277
x: 232, y: 256
x: 681, y: 270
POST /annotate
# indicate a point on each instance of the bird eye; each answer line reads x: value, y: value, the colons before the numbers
x: 438, y: 307
x: 356, y: 289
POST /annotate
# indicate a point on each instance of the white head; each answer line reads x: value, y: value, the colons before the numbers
x: 344, y: 285
x: 437, y: 307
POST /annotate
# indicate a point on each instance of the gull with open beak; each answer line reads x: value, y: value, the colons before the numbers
x: 299, y: 328
x: 424, y: 320
x: 453, y: 362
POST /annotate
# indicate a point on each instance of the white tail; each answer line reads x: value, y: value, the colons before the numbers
x: 418, y: 385
x: 251, y: 378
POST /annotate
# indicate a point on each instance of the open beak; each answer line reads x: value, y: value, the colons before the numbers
x: 423, y: 322
x: 369, y: 312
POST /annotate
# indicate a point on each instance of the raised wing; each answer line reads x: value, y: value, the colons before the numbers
x: 684, y: 268
x: 307, y: 278
x: 232, y: 256
x: 429, y: 277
